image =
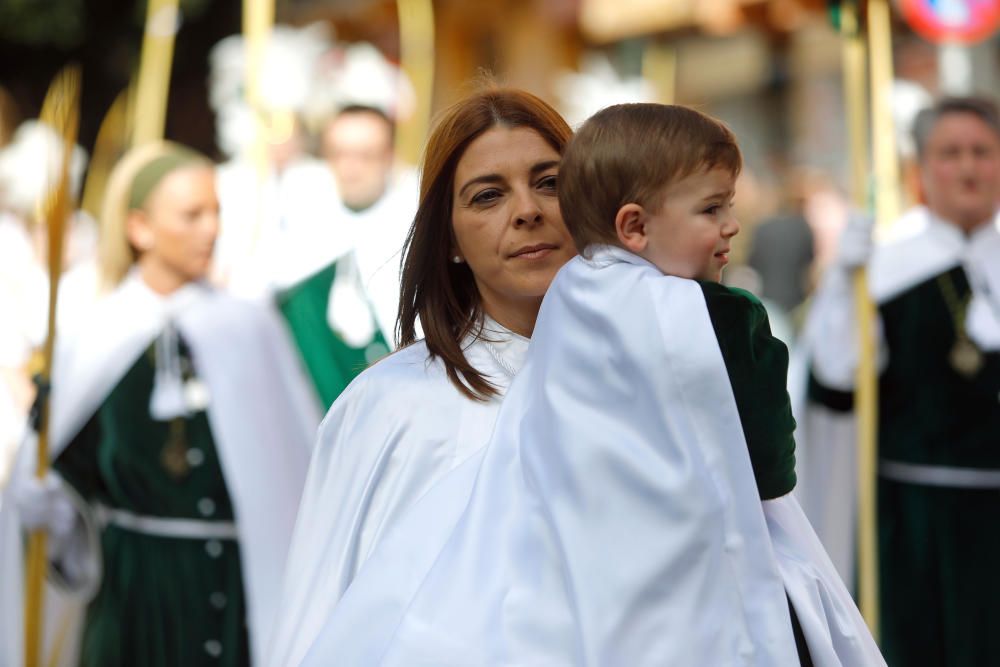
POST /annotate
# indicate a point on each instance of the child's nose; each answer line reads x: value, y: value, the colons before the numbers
x: 731, y: 227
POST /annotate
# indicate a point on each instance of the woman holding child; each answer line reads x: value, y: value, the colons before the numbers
x: 485, y: 244
x: 631, y: 506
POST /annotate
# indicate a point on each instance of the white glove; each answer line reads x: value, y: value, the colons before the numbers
x: 45, y: 504
x: 855, y: 246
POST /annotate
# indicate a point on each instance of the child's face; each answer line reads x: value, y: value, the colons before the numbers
x: 689, y: 235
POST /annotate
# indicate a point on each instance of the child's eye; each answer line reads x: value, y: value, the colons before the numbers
x: 486, y: 196
x: 713, y: 209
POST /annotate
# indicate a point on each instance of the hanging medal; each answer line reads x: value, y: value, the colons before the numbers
x: 965, y: 357
x: 174, y: 455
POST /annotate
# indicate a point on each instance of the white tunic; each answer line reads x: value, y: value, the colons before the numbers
x: 393, y: 433
x: 261, y: 413
x: 613, y: 519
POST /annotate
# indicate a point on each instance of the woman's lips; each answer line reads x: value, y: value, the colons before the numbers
x: 537, y: 251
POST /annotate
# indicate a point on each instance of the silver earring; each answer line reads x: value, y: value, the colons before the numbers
x: 456, y: 260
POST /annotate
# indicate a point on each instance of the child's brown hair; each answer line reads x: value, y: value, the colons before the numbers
x: 630, y: 153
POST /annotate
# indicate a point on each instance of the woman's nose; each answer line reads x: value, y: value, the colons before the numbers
x: 526, y: 210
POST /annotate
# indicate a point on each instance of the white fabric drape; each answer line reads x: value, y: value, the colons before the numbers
x: 397, y: 429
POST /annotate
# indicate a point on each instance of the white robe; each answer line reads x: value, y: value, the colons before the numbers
x: 613, y: 519
x: 394, y: 432
x: 261, y: 412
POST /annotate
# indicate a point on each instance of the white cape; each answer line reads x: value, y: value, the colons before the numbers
x: 261, y: 412
x: 612, y: 520
x: 395, y: 431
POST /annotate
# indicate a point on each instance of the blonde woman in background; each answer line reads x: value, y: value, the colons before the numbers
x: 180, y: 432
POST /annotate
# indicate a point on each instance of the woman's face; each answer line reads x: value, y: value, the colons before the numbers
x: 506, y: 222
x: 176, y: 229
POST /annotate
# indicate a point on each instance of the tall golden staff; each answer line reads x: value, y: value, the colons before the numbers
x: 659, y: 67
x: 153, y: 85
x: 258, y: 20
x: 416, y: 55
x: 886, y: 183
x: 866, y: 387
x: 61, y: 111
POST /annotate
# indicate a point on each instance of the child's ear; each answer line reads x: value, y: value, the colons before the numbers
x: 630, y: 224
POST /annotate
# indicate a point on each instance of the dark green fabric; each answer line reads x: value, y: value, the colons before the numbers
x: 161, y: 600
x: 833, y: 399
x: 757, y: 364
x: 939, y: 547
x: 332, y: 363
x: 928, y: 413
x: 939, y: 551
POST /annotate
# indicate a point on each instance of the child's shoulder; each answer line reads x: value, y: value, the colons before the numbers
x: 732, y: 303
x: 718, y: 291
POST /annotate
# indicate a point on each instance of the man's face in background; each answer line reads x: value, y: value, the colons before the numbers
x: 960, y: 169
x: 358, y: 147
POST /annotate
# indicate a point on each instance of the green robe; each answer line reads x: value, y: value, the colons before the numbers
x: 757, y: 365
x: 162, y: 602
x: 332, y: 362
x: 939, y: 548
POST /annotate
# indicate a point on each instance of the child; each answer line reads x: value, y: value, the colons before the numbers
x: 615, y: 518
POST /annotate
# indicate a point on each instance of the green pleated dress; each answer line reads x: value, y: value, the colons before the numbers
x: 162, y: 602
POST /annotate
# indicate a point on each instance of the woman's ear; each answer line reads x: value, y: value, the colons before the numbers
x: 139, y: 231
x: 630, y: 225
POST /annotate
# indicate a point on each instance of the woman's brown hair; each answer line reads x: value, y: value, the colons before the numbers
x: 443, y: 294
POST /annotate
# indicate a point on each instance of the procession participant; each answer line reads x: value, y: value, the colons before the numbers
x: 485, y: 243
x: 937, y: 289
x: 616, y: 515
x: 180, y: 433
x: 342, y: 315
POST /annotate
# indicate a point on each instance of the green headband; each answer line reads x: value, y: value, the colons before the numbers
x: 150, y: 176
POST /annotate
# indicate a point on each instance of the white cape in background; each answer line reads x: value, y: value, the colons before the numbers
x: 262, y: 415
x: 612, y: 520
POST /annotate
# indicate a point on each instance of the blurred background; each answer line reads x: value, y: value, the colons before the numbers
x: 771, y: 69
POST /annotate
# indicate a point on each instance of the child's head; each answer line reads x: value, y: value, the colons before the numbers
x: 657, y: 180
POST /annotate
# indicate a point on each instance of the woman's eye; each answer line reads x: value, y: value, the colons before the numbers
x: 486, y: 196
x: 548, y: 183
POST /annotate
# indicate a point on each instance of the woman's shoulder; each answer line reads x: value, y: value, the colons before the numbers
x: 408, y: 377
